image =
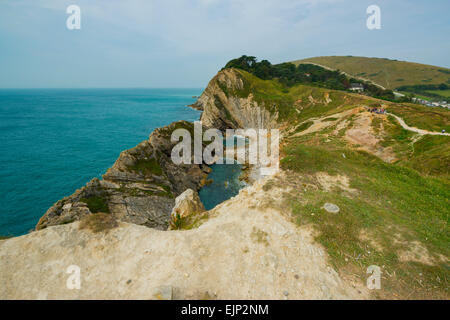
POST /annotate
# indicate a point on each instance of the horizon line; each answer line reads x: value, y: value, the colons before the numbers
x: 92, y: 88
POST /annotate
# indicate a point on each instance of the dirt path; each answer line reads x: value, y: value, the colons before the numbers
x: 417, y: 130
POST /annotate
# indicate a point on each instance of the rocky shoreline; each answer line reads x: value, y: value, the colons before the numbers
x: 139, y: 188
x: 143, y: 183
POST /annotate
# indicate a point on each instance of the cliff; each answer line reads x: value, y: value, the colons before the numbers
x: 139, y: 188
x: 226, y: 104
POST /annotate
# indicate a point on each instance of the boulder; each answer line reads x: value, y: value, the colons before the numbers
x: 187, y: 205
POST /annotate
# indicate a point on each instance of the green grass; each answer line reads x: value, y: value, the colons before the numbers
x: 305, y: 125
x: 442, y: 93
x: 396, y: 137
x: 96, y: 204
x: 146, y: 167
x: 431, y: 156
x: 384, y: 71
x: 392, y: 200
x: 190, y: 222
x: 422, y: 117
x: 277, y: 98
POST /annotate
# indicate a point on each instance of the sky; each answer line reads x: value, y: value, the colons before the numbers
x: 183, y: 43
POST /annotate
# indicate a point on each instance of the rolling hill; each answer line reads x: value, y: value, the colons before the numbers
x: 388, y: 73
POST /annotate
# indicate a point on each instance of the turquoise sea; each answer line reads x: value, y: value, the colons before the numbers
x: 53, y: 141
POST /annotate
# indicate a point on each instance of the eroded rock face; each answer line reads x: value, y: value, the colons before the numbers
x: 139, y: 188
x: 222, y: 110
x: 187, y: 204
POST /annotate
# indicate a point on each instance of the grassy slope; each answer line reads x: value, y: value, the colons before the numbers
x: 388, y: 73
x: 422, y: 117
x: 430, y: 156
x: 277, y: 98
x: 395, y: 204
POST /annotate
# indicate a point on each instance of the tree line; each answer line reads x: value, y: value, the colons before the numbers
x: 289, y: 74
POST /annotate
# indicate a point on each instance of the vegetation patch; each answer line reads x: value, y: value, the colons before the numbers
x: 277, y: 98
x: 98, y: 222
x: 431, y: 156
x: 288, y: 74
x: 433, y: 91
x: 189, y: 222
x: 96, y: 204
x: 147, y: 167
x: 304, y: 126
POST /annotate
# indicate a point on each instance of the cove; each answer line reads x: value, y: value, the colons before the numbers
x: 225, y: 179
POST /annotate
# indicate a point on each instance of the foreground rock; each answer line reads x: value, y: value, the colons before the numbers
x: 187, y: 207
x: 243, y: 251
x: 139, y: 188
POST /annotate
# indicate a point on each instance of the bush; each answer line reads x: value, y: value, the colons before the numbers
x: 96, y: 204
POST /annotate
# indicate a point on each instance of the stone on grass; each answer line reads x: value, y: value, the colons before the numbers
x: 331, y: 207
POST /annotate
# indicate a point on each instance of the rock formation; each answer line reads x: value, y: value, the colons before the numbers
x: 224, y: 106
x: 187, y: 207
x: 139, y: 188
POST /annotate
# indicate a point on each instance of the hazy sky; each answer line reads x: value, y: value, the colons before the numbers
x: 181, y: 43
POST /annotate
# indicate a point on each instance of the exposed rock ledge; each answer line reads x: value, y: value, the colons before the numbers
x: 139, y: 188
x: 222, y: 109
x: 244, y: 251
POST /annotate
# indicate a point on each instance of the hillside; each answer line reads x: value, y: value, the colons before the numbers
x: 390, y: 74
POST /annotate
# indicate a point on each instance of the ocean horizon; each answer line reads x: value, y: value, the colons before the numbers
x: 56, y: 140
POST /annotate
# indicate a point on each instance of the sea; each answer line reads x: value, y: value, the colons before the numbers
x: 53, y: 141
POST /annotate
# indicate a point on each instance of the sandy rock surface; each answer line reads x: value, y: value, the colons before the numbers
x: 239, y: 253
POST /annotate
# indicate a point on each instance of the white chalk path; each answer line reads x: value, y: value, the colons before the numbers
x: 417, y: 130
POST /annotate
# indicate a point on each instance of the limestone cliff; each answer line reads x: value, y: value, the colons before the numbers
x: 226, y: 104
x: 139, y: 188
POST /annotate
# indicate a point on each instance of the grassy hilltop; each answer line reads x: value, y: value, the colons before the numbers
x: 390, y: 74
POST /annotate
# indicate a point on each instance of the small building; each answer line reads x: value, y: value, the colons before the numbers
x: 358, y: 87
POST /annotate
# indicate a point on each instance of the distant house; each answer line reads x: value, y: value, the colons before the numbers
x: 358, y: 87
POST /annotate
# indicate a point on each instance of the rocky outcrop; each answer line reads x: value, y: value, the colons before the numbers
x: 139, y: 188
x: 227, y: 103
x: 187, y: 207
